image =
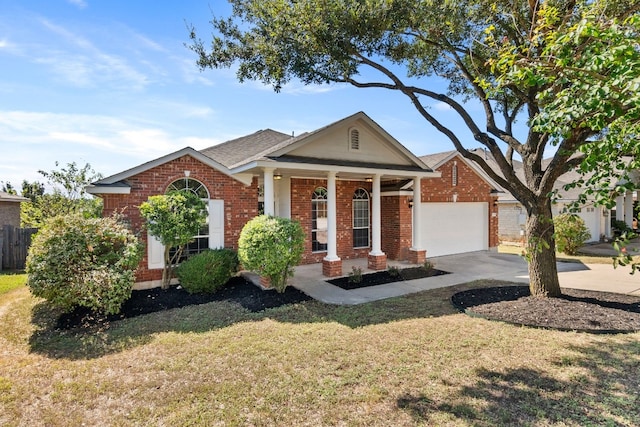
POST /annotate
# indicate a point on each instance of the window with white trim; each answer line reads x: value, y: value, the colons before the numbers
x: 201, y: 240
x: 361, y: 217
x: 319, y: 220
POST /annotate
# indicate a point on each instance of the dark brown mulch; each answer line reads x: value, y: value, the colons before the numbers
x: 237, y: 290
x: 576, y: 310
x: 383, y: 277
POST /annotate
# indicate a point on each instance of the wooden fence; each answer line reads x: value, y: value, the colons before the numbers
x: 14, y: 246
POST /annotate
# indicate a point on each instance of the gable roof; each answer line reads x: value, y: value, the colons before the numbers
x: 7, y: 197
x: 294, y: 143
x: 115, y: 184
x: 238, y: 156
x: 269, y: 144
x: 435, y: 160
x: 438, y: 159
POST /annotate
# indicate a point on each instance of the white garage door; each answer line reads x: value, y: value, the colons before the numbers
x: 453, y: 228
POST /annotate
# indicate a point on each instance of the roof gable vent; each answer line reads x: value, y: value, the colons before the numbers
x: 354, y: 140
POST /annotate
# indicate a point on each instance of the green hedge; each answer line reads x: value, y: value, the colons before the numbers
x: 271, y: 246
x: 89, y: 262
x: 207, y: 271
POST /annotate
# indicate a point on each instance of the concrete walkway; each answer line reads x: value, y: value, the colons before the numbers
x: 464, y: 268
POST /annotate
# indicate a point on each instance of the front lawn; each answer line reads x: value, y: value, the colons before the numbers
x: 405, y: 361
x: 11, y: 281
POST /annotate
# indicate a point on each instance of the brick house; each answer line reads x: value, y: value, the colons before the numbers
x: 355, y: 189
x: 10, y: 209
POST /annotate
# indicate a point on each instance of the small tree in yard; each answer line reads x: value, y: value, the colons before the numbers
x: 571, y: 233
x: 174, y: 219
x: 88, y: 262
x: 271, y: 246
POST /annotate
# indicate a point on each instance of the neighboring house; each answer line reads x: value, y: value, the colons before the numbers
x: 353, y: 187
x: 10, y: 209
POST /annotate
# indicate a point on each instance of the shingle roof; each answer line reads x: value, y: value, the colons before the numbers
x: 247, y: 148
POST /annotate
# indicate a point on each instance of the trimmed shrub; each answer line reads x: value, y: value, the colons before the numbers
x: 271, y: 246
x: 173, y: 218
x: 88, y: 262
x: 570, y: 233
x: 207, y: 271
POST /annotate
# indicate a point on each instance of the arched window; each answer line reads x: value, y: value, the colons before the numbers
x: 189, y: 184
x: 360, y: 218
x: 201, y: 240
x: 319, y: 220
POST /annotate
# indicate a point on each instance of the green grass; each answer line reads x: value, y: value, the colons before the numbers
x: 581, y: 258
x: 404, y: 361
x: 11, y: 281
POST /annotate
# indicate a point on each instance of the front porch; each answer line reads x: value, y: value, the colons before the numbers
x: 309, y: 278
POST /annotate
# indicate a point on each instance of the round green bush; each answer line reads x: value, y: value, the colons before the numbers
x: 570, y: 233
x: 207, y: 271
x: 88, y: 262
x: 271, y: 246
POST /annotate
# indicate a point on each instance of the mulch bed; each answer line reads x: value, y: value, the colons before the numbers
x: 237, y: 290
x: 576, y: 310
x: 383, y: 277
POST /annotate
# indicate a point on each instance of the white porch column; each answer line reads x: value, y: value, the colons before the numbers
x: 376, y: 219
x: 332, y: 217
x: 269, y: 192
x: 417, y: 205
x: 628, y: 208
x: 607, y: 222
x: 620, y: 208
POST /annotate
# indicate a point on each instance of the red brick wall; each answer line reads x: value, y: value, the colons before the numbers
x: 301, y: 193
x: 470, y: 188
x: 397, y: 226
x: 240, y: 201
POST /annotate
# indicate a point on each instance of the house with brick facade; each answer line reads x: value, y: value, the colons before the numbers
x: 356, y: 190
x: 10, y: 209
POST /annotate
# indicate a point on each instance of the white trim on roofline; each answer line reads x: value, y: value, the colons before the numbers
x: 305, y: 139
x: 107, y: 189
x: 283, y: 166
x: 473, y: 166
x: 187, y: 151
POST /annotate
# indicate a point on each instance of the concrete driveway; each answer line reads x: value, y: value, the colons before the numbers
x: 466, y: 268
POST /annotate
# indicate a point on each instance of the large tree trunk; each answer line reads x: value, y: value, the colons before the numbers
x: 541, y: 252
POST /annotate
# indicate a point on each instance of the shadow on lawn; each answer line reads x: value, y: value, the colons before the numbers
x: 603, y: 389
x: 101, y: 338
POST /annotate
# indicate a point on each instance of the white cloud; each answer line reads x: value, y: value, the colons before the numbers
x: 81, y: 63
x: 35, y: 140
x: 80, y: 3
x: 442, y: 106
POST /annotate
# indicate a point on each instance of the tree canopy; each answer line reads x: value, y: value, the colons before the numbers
x: 67, y: 195
x: 568, y: 69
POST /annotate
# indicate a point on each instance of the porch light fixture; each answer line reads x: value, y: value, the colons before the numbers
x: 368, y: 179
x: 410, y: 203
x: 277, y: 176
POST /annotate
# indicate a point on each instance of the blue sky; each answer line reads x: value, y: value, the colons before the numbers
x: 110, y: 83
